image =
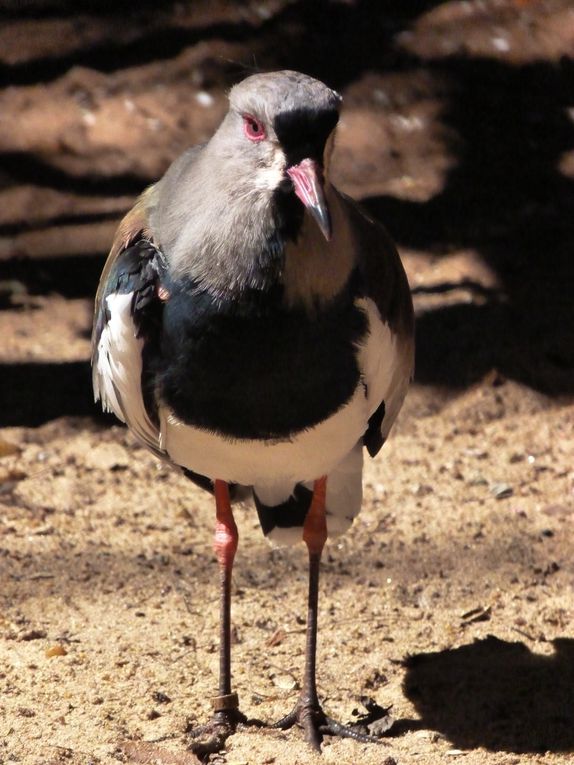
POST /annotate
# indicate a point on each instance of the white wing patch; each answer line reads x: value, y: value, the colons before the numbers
x: 117, y: 371
x: 345, y: 492
x: 382, y: 366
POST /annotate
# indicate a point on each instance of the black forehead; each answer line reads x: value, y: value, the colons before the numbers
x: 307, y: 125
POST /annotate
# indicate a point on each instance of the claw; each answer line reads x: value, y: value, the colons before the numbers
x: 316, y: 724
x: 210, y: 738
x: 335, y: 728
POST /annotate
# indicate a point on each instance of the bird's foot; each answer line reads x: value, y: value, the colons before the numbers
x: 210, y: 738
x: 316, y: 724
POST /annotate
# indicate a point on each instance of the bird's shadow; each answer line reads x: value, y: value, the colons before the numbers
x: 495, y: 694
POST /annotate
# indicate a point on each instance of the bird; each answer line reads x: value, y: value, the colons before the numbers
x: 254, y: 327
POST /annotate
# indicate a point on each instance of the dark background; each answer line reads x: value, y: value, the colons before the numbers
x: 459, y: 137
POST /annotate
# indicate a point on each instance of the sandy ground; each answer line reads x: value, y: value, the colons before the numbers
x: 451, y: 599
x: 460, y: 560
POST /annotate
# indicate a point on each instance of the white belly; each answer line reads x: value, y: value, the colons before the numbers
x: 304, y: 456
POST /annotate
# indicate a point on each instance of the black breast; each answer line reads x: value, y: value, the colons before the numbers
x: 252, y: 368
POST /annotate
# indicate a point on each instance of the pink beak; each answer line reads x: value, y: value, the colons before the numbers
x: 308, y: 182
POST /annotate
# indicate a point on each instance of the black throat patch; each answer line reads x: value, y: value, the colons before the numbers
x: 304, y: 132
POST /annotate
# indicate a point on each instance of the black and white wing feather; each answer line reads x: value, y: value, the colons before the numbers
x: 127, y: 325
x: 387, y: 358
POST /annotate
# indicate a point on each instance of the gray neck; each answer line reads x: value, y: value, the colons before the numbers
x: 215, y: 228
x: 228, y: 236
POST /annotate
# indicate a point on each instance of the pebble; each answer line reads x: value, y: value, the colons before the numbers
x: 55, y: 650
x: 501, y: 44
x: 204, y: 98
x: 558, y: 510
x: 160, y: 697
x: 107, y: 457
x: 501, y: 490
x: 7, y: 448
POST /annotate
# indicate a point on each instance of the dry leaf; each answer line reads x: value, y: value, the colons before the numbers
x: 276, y: 638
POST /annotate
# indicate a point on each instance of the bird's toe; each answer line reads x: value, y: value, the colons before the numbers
x: 210, y: 737
x: 369, y: 727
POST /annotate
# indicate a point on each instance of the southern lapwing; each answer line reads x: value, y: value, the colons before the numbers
x: 255, y: 328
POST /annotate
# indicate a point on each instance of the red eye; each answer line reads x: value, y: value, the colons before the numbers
x: 254, y: 129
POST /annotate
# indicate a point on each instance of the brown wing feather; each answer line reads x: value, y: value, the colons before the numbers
x: 383, y: 273
x: 131, y: 273
x: 385, y: 283
x: 134, y: 223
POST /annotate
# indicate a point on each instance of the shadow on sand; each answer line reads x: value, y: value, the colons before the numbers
x: 495, y: 694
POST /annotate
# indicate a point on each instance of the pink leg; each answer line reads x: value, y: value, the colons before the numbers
x: 225, y: 545
x: 210, y: 738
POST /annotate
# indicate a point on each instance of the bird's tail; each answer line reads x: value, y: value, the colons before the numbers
x: 282, y: 509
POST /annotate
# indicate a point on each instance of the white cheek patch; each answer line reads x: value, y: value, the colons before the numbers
x: 269, y: 177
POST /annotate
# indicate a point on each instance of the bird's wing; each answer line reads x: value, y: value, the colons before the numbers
x: 126, y: 323
x: 387, y: 358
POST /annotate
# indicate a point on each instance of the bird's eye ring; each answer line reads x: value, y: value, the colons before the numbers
x: 253, y: 128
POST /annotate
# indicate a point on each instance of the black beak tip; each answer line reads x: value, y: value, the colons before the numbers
x: 321, y: 215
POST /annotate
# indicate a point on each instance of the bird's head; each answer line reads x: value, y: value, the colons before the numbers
x: 279, y: 128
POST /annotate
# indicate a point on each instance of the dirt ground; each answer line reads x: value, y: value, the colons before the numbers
x: 451, y: 599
